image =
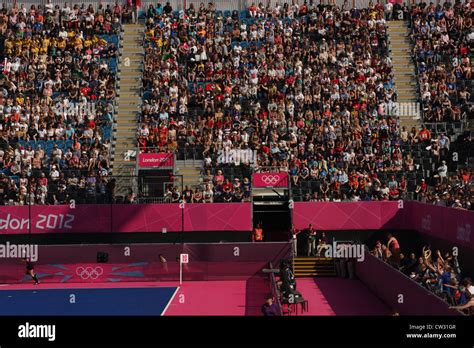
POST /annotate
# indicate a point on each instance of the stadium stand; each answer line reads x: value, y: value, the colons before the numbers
x: 247, y: 80
x: 59, y: 68
x: 307, y: 89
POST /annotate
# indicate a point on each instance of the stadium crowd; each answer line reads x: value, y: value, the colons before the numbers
x: 215, y: 188
x: 438, y: 272
x: 57, y: 90
x: 442, y: 37
x: 308, y: 88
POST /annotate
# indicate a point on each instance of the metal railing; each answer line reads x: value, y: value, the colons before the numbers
x: 221, y: 5
x: 131, y: 189
x: 275, y: 292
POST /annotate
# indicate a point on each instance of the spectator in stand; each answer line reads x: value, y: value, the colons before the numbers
x: 439, y: 273
x: 308, y: 89
x: 440, y: 34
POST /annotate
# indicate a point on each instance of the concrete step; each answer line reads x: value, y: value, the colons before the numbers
x: 130, y: 47
x: 129, y: 94
x: 399, y: 40
x: 128, y: 118
x: 135, y: 69
x: 132, y: 128
x: 129, y: 101
x: 130, y: 83
x: 397, y: 24
x: 129, y: 75
x: 404, y: 89
x: 400, y: 69
x: 132, y: 38
x: 406, y: 73
x: 131, y: 55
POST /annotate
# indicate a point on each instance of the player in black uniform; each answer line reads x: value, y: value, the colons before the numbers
x: 30, y: 270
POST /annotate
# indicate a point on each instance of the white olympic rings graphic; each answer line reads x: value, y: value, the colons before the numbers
x: 89, y: 272
x: 271, y: 179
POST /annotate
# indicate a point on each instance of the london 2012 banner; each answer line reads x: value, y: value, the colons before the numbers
x: 155, y: 160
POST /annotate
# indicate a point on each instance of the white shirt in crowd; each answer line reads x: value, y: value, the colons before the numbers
x: 443, y: 170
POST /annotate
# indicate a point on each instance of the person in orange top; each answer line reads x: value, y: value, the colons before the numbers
x: 424, y: 134
x: 354, y: 182
x: 257, y: 235
x: 465, y: 176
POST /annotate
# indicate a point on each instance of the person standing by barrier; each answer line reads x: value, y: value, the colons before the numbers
x: 394, y: 248
x: 469, y: 305
x: 294, y: 239
x: 322, y: 245
x: 311, y: 240
x: 257, y: 235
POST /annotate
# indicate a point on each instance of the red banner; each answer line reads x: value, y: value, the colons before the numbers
x: 155, y: 160
x: 272, y: 179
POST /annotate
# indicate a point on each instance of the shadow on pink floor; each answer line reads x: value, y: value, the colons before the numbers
x: 337, y: 296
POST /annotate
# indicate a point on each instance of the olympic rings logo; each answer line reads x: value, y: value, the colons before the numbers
x: 89, y: 272
x: 270, y: 179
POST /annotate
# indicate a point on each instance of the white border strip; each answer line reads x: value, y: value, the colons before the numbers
x: 169, y: 302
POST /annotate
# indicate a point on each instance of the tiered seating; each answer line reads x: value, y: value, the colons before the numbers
x: 58, y: 87
x: 444, y: 59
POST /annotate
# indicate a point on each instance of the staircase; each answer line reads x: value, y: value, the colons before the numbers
x: 404, y: 74
x: 313, y: 267
x: 124, y: 159
x: 191, y: 172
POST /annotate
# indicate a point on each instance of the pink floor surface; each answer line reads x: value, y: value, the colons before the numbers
x: 219, y: 298
x: 337, y: 296
x: 237, y: 298
x: 326, y: 296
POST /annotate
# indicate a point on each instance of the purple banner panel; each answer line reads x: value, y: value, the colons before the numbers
x: 88, y: 218
x: 14, y: 220
x: 388, y: 284
x: 218, y: 217
x: 453, y: 225
x: 347, y: 215
x: 146, y: 218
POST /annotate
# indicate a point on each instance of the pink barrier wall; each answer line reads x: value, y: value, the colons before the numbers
x: 126, y: 218
x: 444, y: 223
x: 146, y: 218
x: 50, y: 219
x: 64, y: 218
x: 78, y: 263
x: 218, y: 217
x: 439, y: 222
x: 347, y: 215
x: 449, y: 224
x: 14, y: 220
x: 388, y: 284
